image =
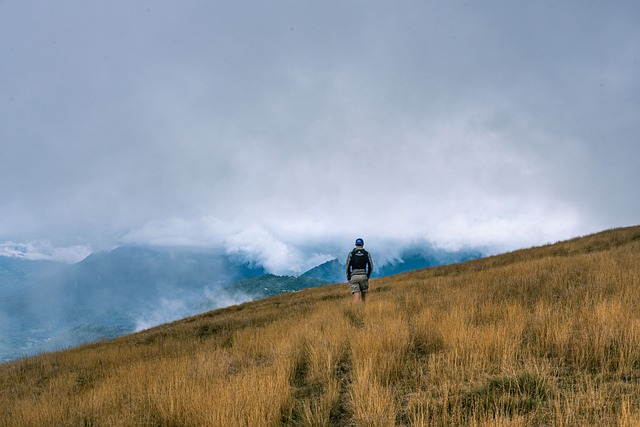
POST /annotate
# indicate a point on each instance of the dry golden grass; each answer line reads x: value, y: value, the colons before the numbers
x: 547, y: 336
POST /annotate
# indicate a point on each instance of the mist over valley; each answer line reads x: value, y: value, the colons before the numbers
x: 49, y: 305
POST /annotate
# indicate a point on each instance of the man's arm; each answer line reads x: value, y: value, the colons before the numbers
x: 349, y: 266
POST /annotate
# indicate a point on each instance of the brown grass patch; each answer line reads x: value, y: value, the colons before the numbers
x: 538, y: 337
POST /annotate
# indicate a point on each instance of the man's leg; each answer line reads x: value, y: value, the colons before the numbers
x: 357, y: 297
x: 359, y: 287
x: 364, y: 289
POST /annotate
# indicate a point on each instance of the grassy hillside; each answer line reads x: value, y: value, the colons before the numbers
x: 543, y: 336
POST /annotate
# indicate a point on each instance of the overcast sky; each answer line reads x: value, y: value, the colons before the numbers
x: 280, y: 128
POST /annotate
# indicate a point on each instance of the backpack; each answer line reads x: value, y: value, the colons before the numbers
x: 359, y: 259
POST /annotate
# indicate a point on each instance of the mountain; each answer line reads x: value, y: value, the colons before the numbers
x: 330, y: 272
x: 414, y: 259
x: 113, y: 293
x: 410, y: 259
x: 18, y: 273
x: 269, y: 285
x: 536, y: 337
x: 333, y: 271
x: 47, y: 306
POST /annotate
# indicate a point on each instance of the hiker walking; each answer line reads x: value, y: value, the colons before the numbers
x: 359, y: 268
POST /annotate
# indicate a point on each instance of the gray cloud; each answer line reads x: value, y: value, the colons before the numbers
x: 276, y: 128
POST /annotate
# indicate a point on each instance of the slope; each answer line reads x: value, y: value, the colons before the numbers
x: 541, y: 336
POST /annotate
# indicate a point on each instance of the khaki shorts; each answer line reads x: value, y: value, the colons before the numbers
x: 359, y: 283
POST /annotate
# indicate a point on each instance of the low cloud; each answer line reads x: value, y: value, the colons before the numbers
x: 38, y: 251
x: 165, y: 311
x: 250, y: 243
x: 169, y: 309
x: 304, y: 126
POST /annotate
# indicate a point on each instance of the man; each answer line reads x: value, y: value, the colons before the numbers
x: 359, y: 268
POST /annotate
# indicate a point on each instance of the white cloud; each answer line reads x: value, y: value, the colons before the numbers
x: 44, y: 251
x: 170, y: 309
x: 174, y: 231
x: 165, y: 311
x: 283, y: 132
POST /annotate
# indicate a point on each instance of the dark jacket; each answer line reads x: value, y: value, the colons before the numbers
x: 359, y: 263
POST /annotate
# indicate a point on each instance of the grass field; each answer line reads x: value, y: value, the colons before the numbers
x: 547, y: 336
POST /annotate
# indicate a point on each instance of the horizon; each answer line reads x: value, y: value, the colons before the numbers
x: 384, y: 258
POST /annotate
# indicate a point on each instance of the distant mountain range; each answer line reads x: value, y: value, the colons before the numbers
x: 109, y: 294
x: 270, y: 285
x: 46, y: 305
x: 330, y: 272
x: 17, y: 273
